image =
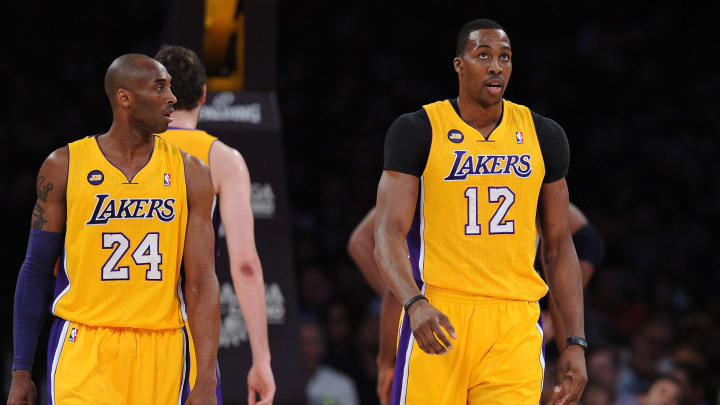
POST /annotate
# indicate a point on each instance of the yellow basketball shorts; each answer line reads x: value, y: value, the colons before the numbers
x: 496, y: 359
x: 101, y: 365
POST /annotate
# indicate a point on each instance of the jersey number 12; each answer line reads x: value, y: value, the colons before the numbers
x: 498, y: 223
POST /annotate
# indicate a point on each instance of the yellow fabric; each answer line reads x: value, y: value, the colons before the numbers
x: 191, y: 141
x: 124, y: 240
x: 492, y: 252
x: 111, y: 366
x: 496, y: 359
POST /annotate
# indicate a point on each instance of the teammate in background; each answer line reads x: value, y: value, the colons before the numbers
x: 231, y: 182
x: 590, y: 251
x: 462, y: 184
x: 121, y: 210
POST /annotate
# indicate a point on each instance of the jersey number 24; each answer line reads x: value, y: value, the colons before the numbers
x: 146, y: 253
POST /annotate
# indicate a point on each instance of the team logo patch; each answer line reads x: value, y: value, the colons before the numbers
x: 455, y: 136
x: 73, y: 335
x: 95, y: 177
x: 166, y: 180
x: 519, y: 137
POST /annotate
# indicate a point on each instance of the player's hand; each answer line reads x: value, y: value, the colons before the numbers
x: 571, y: 376
x: 22, y: 389
x: 427, y: 323
x: 203, y: 394
x: 386, y: 371
x: 261, y: 382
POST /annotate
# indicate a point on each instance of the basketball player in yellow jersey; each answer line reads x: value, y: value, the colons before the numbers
x: 131, y: 207
x: 462, y: 183
x: 231, y: 182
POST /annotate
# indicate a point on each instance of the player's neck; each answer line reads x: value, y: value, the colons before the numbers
x: 186, y: 118
x: 125, y: 138
x: 478, y: 115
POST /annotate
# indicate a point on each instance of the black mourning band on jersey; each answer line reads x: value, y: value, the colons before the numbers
x: 577, y: 340
x: 412, y: 300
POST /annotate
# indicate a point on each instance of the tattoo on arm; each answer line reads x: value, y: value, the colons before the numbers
x: 38, y: 218
x: 43, y: 189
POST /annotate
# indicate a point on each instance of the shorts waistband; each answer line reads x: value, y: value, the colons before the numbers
x: 437, y: 293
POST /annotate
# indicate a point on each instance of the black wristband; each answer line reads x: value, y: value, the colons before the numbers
x: 577, y: 340
x: 413, y: 299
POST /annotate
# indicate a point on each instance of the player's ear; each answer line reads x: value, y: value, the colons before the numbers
x: 458, y: 64
x: 123, y: 97
x: 204, y: 95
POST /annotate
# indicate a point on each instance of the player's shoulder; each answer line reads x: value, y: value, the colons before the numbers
x: 545, y: 126
x: 225, y: 160
x: 412, y: 121
x: 58, y: 159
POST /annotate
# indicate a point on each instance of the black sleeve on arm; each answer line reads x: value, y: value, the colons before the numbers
x: 589, y: 245
x: 407, y: 143
x: 554, y: 147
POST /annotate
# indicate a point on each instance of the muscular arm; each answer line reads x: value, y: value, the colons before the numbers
x: 564, y: 279
x: 50, y: 211
x: 396, y: 200
x: 578, y: 221
x: 232, y: 181
x: 201, y: 285
x: 34, y: 286
x: 360, y: 248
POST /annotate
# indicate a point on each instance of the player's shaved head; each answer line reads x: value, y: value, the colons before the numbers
x: 125, y: 71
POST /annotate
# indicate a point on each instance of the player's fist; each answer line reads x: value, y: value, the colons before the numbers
x: 571, y: 376
x: 22, y: 389
x: 261, y: 382
x: 427, y: 324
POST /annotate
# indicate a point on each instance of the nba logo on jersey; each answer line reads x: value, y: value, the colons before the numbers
x: 166, y: 180
x: 519, y: 137
x: 73, y: 335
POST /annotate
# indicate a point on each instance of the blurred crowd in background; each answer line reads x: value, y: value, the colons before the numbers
x: 633, y: 85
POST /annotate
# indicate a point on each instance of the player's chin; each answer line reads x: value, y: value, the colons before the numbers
x: 161, y: 127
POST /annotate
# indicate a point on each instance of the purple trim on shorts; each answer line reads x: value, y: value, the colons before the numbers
x: 413, y: 243
x: 186, y: 379
x: 218, y: 390
x: 400, y: 361
x: 55, y: 331
x: 540, y: 322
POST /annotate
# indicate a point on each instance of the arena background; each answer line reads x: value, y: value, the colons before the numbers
x: 634, y: 84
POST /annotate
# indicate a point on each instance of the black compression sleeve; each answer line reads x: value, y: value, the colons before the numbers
x: 554, y: 147
x: 407, y: 143
x: 589, y: 245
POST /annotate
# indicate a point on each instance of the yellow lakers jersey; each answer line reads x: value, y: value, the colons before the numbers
x: 124, y: 240
x: 195, y: 142
x: 475, y: 227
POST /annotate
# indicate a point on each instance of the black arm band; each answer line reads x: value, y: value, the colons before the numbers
x: 589, y: 245
x: 577, y: 340
x: 412, y: 300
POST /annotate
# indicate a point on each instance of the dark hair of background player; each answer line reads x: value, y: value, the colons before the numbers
x: 470, y: 26
x: 187, y: 72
